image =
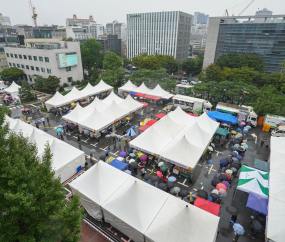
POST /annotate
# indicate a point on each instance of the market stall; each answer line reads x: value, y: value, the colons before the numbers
x: 257, y: 203
x: 224, y: 117
x: 13, y: 89
x: 261, y: 165
x: 99, y: 105
x: 222, y: 132
x: 56, y: 101
x: 128, y: 87
x: 130, y: 104
x: 120, y: 165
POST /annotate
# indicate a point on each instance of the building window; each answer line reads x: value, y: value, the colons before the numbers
x: 23, y: 66
x: 35, y: 58
x: 12, y: 56
x: 10, y: 64
x: 3, y: 60
x: 20, y: 56
x: 37, y: 69
x: 4, y: 67
x: 18, y: 65
x: 25, y: 57
x: 43, y: 69
x: 69, y: 79
x: 46, y: 59
x: 27, y: 67
x: 16, y: 56
x: 49, y: 71
x: 14, y: 64
x: 68, y: 68
x: 32, y: 68
x: 7, y: 55
x: 40, y: 58
x: 30, y: 57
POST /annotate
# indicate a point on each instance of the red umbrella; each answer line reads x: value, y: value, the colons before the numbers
x: 207, y: 206
x: 141, y: 167
x: 228, y: 176
x: 221, y: 185
x: 26, y: 109
x: 159, y: 174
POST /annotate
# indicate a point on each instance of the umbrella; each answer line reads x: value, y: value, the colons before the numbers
x: 229, y: 177
x: 215, y: 182
x: 210, y: 148
x: 86, y: 132
x: 238, y: 129
x: 143, y: 158
x: 235, y: 159
x: 122, y: 158
x: 238, y: 135
x: 113, y: 135
x: 68, y: 111
x: 240, y: 126
x: 223, y: 163
x: 159, y: 174
x: 229, y: 159
x: 26, y: 109
x: 102, y: 157
x: 215, y: 191
x: 134, y: 165
x: 246, y: 128
x: 160, y: 164
x: 130, y: 150
x: 217, y: 176
x: 239, y: 157
x: 245, y: 146
x: 162, y: 186
x: 226, y: 184
x: 146, y: 177
x: 38, y: 122
x: 215, y: 196
x: 202, y: 194
x: 223, y: 177
x: 107, y: 152
x: 232, y: 210
x: 221, y: 185
x: 209, y: 162
x: 128, y: 172
x: 92, y: 151
x: 233, y: 132
x: 229, y: 172
x: 235, y: 167
x: 163, y: 168
x: 141, y: 167
x: 234, y: 148
x: 170, y: 184
x: 191, y: 196
x: 243, y: 123
x: 58, y: 130
x: 217, y: 137
x: 210, y: 198
x: 72, y: 104
x: 17, y: 117
x: 257, y: 226
x: 241, y: 148
x: 213, y: 145
x: 176, y: 189
x: 236, y: 142
x: 234, y: 154
x: 171, y: 179
x: 131, y: 132
x: 70, y: 126
x: 238, y: 229
x: 154, y: 178
x: 140, y: 154
x: 183, y: 193
x: 222, y: 192
x: 122, y: 154
x: 132, y: 155
x: 108, y: 136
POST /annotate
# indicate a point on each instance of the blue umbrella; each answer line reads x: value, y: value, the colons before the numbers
x: 68, y: 111
x: 107, y: 152
x: 133, y: 127
x: 58, y: 130
x: 239, y: 157
x: 17, y: 117
x: 233, y: 154
x: 209, y: 162
x: 257, y: 203
x: 240, y: 125
x: 245, y: 131
x: 210, y: 199
x: 132, y: 155
x: 213, y: 119
x: 238, y: 229
x: 130, y: 150
x: 246, y: 128
x: 62, y: 123
x: 37, y: 122
x: 223, y: 163
x: 238, y: 129
x: 171, y: 179
x: 128, y: 172
x: 131, y: 132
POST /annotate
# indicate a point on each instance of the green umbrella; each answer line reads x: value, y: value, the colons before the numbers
x: 163, y: 168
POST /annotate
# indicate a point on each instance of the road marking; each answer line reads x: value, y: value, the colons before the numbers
x: 214, y: 170
x: 218, y: 152
x: 94, y: 144
x: 210, y: 169
x: 183, y: 183
x: 199, y: 165
x: 202, y: 187
x: 195, y: 189
x: 149, y: 170
x: 116, y: 152
x: 85, y: 141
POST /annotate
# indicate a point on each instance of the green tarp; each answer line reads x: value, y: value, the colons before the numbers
x: 261, y: 165
x: 222, y: 132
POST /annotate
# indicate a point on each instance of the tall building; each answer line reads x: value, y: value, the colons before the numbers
x: 110, y: 43
x: 166, y: 33
x: 242, y: 34
x: 7, y: 20
x: 117, y: 28
x: 25, y: 30
x: 61, y: 59
x: 74, y: 20
x: 200, y: 18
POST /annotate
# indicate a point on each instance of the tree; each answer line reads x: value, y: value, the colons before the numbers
x: 25, y: 92
x: 210, y: 73
x: 39, y: 85
x: 32, y: 205
x: 145, y: 61
x: 91, y: 54
x: 67, y: 39
x: 51, y: 84
x: 189, y: 66
x: 168, y: 62
x: 112, y: 61
x: 112, y: 77
x: 12, y: 74
x: 126, y: 61
x: 168, y: 84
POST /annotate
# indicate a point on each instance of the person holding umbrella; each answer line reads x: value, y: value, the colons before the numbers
x: 233, y: 211
x: 239, y: 230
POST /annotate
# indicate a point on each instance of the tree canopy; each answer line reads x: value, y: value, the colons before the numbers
x: 193, y: 66
x: 112, y: 61
x: 25, y: 92
x: 12, y: 74
x: 112, y: 77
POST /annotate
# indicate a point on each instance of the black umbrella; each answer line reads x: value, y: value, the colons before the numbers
x: 162, y: 186
x: 183, y: 193
x: 232, y: 210
x: 229, y: 160
x: 53, y: 110
x: 241, y: 148
x: 102, y: 157
x: 235, y: 165
x: 154, y: 178
x: 223, y: 177
x: 202, y: 194
x: 215, y: 181
x: 223, y: 138
x: 134, y: 164
x: 261, y: 218
x: 70, y: 126
x: 257, y: 226
x: 146, y: 177
x: 215, y: 196
x: 170, y: 184
x: 93, y: 151
x: 236, y: 142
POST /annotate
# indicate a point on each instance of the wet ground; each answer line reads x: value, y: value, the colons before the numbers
x: 201, y: 178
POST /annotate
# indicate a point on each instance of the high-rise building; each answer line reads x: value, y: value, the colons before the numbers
x: 260, y: 34
x: 74, y: 20
x: 166, y: 33
x: 110, y: 43
x: 7, y: 20
x: 200, y: 18
x: 117, y: 28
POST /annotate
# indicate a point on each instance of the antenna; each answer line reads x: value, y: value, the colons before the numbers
x: 34, y: 15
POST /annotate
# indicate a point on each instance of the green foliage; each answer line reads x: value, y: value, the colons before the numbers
x: 67, y: 39
x: 32, y: 205
x: 61, y: 89
x: 39, y: 85
x: 81, y: 88
x: 84, y: 82
x: 126, y: 61
x: 168, y: 62
x: 73, y: 83
x: 65, y: 84
x: 112, y: 77
x: 25, y: 92
x: 210, y: 74
x: 112, y: 61
x: 7, y: 111
x: 193, y: 66
x: 145, y: 61
x: 235, y: 60
x: 64, y: 93
x: 168, y: 84
x: 12, y: 74
x: 43, y: 109
x: 78, y: 82
x: 51, y: 84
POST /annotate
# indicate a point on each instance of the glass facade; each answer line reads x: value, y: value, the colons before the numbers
x: 265, y: 39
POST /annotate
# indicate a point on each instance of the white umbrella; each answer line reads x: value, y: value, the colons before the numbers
x: 223, y: 192
x: 120, y: 158
x: 213, y: 145
x: 160, y: 164
x: 210, y: 148
x: 131, y: 160
x: 175, y: 189
x: 215, y: 191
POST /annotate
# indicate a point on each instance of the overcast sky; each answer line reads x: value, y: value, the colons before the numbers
x: 56, y: 11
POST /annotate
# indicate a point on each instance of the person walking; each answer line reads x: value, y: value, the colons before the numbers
x: 233, y: 219
x: 78, y: 139
x: 43, y: 120
x: 37, y: 126
x: 261, y: 143
x: 61, y: 135
x: 47, y: 119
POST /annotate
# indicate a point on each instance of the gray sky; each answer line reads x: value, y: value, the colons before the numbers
x: 56, y: 11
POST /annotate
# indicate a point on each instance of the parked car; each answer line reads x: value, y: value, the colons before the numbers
x: 280, y: 132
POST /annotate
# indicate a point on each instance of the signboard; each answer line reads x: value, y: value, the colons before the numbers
x: 67, y: 59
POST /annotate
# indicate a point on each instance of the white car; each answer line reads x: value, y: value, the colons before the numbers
x: 279, y: 133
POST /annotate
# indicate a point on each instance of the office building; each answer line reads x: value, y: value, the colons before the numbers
x: 43, y: 31
x: 6, y: 40
x: 200, y: 18
x: 58, y: 34
x: 61, y: 59
x: 262, y: 12
x: 74, y: 20
x: 7, y: 20
x: 199, y: 29
x: 110, y: 43
x: 82, y: 32
x: 117, y: 28
x: 25, y: 30
x: 166, y: 33
x: 242, y: 34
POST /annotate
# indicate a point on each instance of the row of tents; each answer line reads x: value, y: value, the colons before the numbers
x: 178, y: 138
x: 139, y: 210
x: 65, y: 160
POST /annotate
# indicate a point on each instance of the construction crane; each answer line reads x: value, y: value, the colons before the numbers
x: 34, y: 15
x: 226, y: 13
x: 246, y: 7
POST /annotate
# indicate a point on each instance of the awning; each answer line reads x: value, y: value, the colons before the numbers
x: 151, y: 122
x: 160, y: 115
x: 118, y: 164
x: 132, y: 93
x: 222, y: 132
x: 261, y: 165
x: 144, y: 104
x: 208, y: 206
x: 257, y: 203
x: 143, y: 128
x: 193, y: 114
x: 139, y: 94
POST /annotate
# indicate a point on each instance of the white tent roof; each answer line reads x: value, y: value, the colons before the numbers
x: 112, y: 97
x: 179, y: 116
x: 277, y: 186
x: 102, y: 87
x: 150, y: 141
x: 136, y: 204
x: 158, y: 92
x: 166, y: 126
x: 22, y: 127
x: 207, y: 124
x: 115, y: 112
x: 277, y: 155
x: 14, y: 87
x: 99, y: 105
x: 88, y: 90
x: 77, y: 115
x: 142, y: 89
x: 129, y: 86
x: 41, y: 138
x: 56, y: 101
x: 75, y: 94
x: 181, y: 222
x: 130, y: 104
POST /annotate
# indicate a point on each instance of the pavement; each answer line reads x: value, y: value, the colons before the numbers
x: 201, y: 178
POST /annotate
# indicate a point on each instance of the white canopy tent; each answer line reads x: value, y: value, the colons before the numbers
x: 75, y: 94
x: 56, y: 101
x: 99, y: 105
x: 133, y: 207
x: 96, y: 186
x: 13, y: 89
x: 89, y: 90
x: 65, y: 158
x: 142, y: 89
x: 76, y: 115
x: 130, y: 104
x: 128, y: 87
x: 112, y: 97
x: 158, y: 92
x: 166, y: 126
x: 181, y: 222
x: 180, y: 117
x: 115, y: 112
x: 103, y: 87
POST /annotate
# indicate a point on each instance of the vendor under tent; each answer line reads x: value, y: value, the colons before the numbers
x: 130, y: 104
x: 152, y: 97
x: 207, y: 206
x: 128, y: 87
x: 253, y: 180
x: 261, y: 165
x: 143, y: 128
x: 96, y: 185
x: 112, y: 97
x: 57, y: 100
x: 144, y: 104
x: 224, y: 117
x: 257, y: 203
x: 181, y: 222
x: 133, y: 207
x: 160, y: 115
x: 118, y: 164
x: 13, y: 89
x: 222, y: 132
x: 65, y: 160
x: 132, y: 93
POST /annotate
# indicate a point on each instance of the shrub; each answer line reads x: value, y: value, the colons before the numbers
x: 65, y: 85
x: 64, y: 93
x: 61, y: 89
x: 73, y: 83
x: 78, y: 82
x: 43, y: 109
x: 84, y: 82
